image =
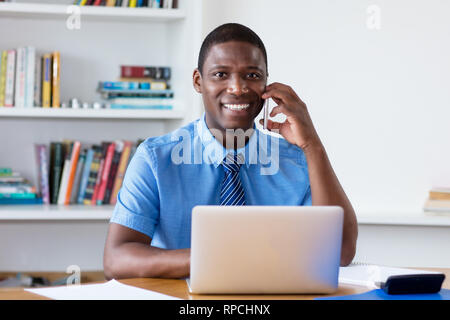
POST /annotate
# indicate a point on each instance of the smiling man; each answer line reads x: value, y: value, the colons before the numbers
x: 219, y: 163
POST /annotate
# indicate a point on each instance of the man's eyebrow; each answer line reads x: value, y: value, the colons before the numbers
x: 256, y: 68
x: 219, y: 66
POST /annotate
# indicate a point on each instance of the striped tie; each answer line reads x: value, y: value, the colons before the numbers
x: 232, y: 193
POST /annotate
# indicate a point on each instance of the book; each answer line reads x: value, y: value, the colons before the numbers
x: 67, y: 146
x: 156, y: 4
x: 138, y: 93
x: 123, y: 163
x: 5, y: 172
x: 153, y: 72
x: 12, y: 201
x: 100, y: 172
x: 93, y: 172
x: 56, y: 164
x: 168, y: 4
x: 75, y: 154
x: 146, y: 107
x: 19, y: 90
x: 17, y: 188
x: 37, y: 81
x: 56, y: 70
x: 133, y: 3
x: 3, y: 62
x: 10, y: 78
x: 46, y: 80
x: 439, y: 194
x: 113, y: 172
x: 19, y: 195
x: 437, y: 206
x: 12, y: 179
x: 43, y: 173
x: 77, y: 178
x: 132, y: 85
x: 144, y: 80
x: 85, y: 175
x: 30, y: 76
x: 105, y: 173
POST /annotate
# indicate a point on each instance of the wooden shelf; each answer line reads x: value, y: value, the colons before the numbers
x: 38, y: 112
x: 90, y: 13
x: 404, y: 219
x: 55, y: 212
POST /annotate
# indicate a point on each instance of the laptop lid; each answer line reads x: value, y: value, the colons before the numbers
x: 265, y: 249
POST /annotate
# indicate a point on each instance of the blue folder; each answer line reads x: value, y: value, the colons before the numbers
x: 379, y: 294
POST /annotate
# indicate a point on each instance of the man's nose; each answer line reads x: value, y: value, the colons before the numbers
x: 237, y: 86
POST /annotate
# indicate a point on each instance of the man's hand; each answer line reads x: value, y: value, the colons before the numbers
x: 298, y: 128
x: 326, y: 190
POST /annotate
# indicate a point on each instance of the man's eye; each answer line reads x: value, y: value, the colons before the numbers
x: 219, y: 74
x: 253, y: 76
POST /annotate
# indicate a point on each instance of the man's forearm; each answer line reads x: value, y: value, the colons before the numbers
x: 326, y: 190
x: 138, y: 260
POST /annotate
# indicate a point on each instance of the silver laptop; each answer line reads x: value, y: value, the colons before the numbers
x: 265, y: 249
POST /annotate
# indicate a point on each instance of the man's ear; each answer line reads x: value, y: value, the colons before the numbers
x: 197, y: 80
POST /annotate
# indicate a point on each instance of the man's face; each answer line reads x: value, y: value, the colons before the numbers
x: 232, y: 82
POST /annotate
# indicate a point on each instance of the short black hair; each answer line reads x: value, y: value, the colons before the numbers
x: 229, y: 32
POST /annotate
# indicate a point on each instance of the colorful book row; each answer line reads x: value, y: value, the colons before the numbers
x: 167, y: 4
x: 76, y: 175
x: 29, y: 79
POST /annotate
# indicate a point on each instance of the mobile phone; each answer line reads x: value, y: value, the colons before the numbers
x: 266, y: 113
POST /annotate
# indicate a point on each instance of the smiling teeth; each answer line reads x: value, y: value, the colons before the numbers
x: 236, y: 106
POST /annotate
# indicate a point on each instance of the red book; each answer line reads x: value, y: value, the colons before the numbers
x: 148, y: 72
x: 97, y: 2
x: 100, y: 172
x: 105, y: 173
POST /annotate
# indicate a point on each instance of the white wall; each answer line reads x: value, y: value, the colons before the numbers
x: 379, y: 98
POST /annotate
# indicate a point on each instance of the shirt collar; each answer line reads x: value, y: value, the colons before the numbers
x: 214, y: 152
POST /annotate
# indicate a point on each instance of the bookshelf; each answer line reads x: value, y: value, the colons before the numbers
x: 55, y: 212
x: 69, y: 113
x: 113, y: 14
x: 108, y: 37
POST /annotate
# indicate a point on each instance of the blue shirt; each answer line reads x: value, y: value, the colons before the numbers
x: 170, y: 174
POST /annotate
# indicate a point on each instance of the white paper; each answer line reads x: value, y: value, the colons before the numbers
x: 372, y: 275
x: 111, y: 290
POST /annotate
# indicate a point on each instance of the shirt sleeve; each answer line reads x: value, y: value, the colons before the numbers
x: 137, y: 204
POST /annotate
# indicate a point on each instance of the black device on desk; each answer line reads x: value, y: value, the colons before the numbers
x: 413, y: 283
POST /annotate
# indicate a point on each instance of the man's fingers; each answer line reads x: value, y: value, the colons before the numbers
x: 276, y: 94
x: 280, y: 93
x: 281, y: 108
x: 271, y: 125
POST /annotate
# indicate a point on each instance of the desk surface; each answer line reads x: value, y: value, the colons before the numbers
x: 178, y: 288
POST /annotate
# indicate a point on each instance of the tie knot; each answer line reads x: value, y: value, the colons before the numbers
x: 232, y: 162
